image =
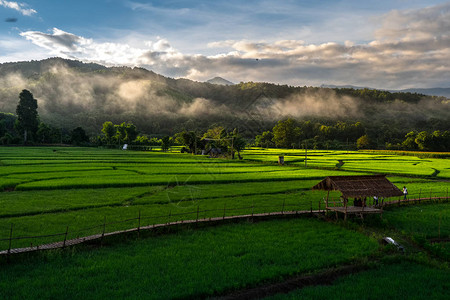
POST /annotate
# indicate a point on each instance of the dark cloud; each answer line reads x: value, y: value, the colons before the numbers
x: 59, y: 40
x: 11, y: 20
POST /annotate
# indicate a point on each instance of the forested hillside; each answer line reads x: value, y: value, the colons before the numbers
x: 72, y: 94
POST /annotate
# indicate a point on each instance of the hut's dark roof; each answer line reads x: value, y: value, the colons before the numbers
x: 359, y: 186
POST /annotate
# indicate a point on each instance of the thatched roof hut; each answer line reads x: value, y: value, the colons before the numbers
x: 359, y: 186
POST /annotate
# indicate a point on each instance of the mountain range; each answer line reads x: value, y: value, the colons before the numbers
x: 219, y: 80
x: 72, y: 93
x: 437, y: 91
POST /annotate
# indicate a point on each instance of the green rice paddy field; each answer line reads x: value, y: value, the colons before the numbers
x: 46, y: 191
x: 417, y: 282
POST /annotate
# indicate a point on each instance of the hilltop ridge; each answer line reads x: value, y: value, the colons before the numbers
x: 72, y: 93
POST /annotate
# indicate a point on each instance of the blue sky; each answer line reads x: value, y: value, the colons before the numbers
x: 381, y: 44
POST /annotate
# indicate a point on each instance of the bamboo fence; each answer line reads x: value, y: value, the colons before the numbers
x: 72, y: 237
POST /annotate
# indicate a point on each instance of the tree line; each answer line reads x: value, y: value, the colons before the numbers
x: 290, y: 133
x: 26, y: 128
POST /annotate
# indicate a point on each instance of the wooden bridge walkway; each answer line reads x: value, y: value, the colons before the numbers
x: 76, y: 241
x: 361, y: 211
x: 416, y: 200
x: 80, y: 240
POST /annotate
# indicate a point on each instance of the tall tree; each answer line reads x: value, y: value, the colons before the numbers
x: 286, y: 133
x: 236, y: 142
x: 216, y: 137
x: 121, y: 132
x: 409, y: 143
x: 131, y: 132
x: 27, y: 115
x: 78, y: 136
x: 424, y: 141
x: 43, y: 133
x: 363, y: 142
x: 166, y: 142
x: 109, y: 131
x: 264, y: 139
x: 188, y: 139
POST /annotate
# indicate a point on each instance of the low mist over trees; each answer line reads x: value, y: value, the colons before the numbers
x: 73, y: 94
x: 286, y: 133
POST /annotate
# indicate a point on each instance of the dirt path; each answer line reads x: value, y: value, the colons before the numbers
x: 323, y: 278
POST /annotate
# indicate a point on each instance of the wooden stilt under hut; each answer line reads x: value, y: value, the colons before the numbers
x: 360, y: 188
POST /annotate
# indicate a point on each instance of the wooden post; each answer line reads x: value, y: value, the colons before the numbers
x: 103, y: 232
x: 139, y: 223
x: 65, y: 237
x: 10, y: 238
x: 104, y: 226
x: 328, y: 194
x: 198, y: 208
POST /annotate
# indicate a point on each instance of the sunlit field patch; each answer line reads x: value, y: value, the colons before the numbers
x: 48, y: 189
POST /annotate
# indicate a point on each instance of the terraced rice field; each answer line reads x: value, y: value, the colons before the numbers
x: 82, y: 191
x: 47, y: 190
x: 404, y: 280
x: 358, y: 161
x: 188, y: 264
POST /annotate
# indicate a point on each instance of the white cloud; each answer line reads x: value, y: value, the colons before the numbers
x: 152, y: 8
x: 23, y: 8
x: 415, y: 53
x: 411, y: 25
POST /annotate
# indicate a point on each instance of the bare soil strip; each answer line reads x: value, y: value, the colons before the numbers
x: 324, y: 278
